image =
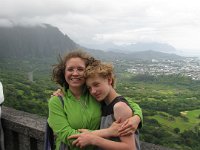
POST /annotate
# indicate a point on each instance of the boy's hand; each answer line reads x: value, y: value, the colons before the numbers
x: 83, y: 130
x: 83, y: 139
x: 58, y: 92
x: 113, y: 129
x: 129, y: 126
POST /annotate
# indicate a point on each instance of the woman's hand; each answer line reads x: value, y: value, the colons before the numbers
x: 129, y: 126
x: 58, y: 92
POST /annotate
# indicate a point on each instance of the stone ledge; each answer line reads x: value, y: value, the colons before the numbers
x: 24, y: 123
x: 33, y: 126
x: 150, y: 146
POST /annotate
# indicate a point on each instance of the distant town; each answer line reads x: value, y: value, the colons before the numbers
x: 190, y: 66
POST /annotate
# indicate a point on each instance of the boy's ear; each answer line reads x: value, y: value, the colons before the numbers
x: 110, y: 80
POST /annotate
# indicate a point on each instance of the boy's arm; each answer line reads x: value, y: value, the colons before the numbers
x: 122, y: 111
x: 127, y: 143
x: 111, y: 131
x: 127, y: 127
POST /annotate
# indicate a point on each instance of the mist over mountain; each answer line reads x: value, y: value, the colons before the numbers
x: 47, y: 41
x: 143, y: 46
x: 33, y: 41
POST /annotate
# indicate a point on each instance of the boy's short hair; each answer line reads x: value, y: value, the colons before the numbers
x: 101, y: 69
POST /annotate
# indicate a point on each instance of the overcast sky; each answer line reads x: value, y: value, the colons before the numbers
x: 97, y: 22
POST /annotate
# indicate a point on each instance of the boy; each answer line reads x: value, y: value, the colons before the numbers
x: 100, y: 82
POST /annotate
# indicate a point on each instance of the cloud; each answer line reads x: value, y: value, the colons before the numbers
x: 175, y: 22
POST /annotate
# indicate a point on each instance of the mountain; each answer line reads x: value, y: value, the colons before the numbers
x: 143, y: 55
x: 47, y: 41
x: 38, y: 41
x: 150, y: 54
x: 142, y: 46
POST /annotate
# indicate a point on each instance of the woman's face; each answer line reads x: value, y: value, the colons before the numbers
x: 74, y: 72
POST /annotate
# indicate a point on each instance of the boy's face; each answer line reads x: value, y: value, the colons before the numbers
x: 99, y: 87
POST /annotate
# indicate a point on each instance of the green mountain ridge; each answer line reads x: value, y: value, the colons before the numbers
x: 48, y: 41
x: 37, y: 41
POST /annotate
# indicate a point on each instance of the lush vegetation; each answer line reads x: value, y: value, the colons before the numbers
x: 171, y: 108
x: 24, y: 92
x: 171, y: 104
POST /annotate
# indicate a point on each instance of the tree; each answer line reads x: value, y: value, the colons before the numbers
x: 176, y: 130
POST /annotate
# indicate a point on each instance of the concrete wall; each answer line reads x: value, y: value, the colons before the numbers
x: 25, y: 131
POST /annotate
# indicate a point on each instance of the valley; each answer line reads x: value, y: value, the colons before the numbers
x: 170, y: 103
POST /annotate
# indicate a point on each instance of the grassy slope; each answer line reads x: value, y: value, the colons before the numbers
x: 179, y: 122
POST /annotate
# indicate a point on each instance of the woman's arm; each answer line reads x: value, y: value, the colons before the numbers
x: 58, y: 120
x: 137, y: 111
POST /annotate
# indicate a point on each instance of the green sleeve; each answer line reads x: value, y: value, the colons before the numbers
x: 58, y: 120
x: 137, y: 110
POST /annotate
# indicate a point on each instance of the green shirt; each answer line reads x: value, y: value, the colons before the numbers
x: 77, y: 114
x: 84, y: 113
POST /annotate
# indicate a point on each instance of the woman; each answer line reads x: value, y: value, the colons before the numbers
x: 80, y: 109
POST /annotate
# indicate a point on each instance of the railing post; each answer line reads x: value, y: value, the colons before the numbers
x: 24, y: 142
x: 23, y: 131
